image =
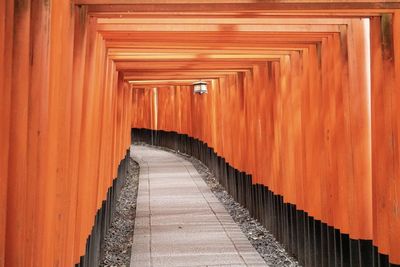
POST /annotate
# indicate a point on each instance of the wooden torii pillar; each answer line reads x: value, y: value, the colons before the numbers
x: 290, y: 103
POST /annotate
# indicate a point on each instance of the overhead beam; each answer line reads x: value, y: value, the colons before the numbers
x: 129, y: 6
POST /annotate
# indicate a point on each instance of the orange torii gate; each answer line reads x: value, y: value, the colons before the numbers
x: 289, y: 103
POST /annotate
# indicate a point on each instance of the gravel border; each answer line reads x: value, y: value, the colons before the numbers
x: 262, y: 240
x: 119, y: 238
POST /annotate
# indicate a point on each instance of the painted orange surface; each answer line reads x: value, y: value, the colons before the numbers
x: 303, y: 128
x: 385, y: 135
x: 289, y: 102
x: 6, y: 33
x: 395, y: 200
x: 56, y: 93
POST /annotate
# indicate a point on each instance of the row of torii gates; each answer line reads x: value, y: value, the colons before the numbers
x: 304, y: 96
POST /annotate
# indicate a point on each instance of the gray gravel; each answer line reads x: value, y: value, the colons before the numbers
x: 119, y: 238
x: 262, y: 240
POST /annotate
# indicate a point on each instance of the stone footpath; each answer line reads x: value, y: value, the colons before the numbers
x: 179, y: 221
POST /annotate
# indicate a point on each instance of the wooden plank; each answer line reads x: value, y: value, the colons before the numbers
x: 37, y: 131
x: 243, y: 7
x: 79, y: 61
x: 384, y: 135
x: 360, y: 125
x: 17, y: 206
x: 85, y: 203
x: 395, y: 223
x: 6, y: 48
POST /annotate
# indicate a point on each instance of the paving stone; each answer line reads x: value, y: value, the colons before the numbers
x: 179, y: 220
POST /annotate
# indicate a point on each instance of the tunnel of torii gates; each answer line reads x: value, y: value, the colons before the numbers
x: 303, y: 101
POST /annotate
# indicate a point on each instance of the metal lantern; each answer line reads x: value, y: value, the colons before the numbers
x: 200, y: 87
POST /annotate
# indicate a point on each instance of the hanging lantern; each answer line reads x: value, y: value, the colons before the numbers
x: 200, y: 87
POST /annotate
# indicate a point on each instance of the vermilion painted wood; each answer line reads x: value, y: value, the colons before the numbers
x: 79, y: 61
x: 327, y: 185
x: 360, y: 125
x: 325, y: 8
x: 385, y: 146
x: 6, y: 37
x: 104, y: 180
x: 37, y: 127
x: 293, y: 3
x: 382, y: 165
x: 84, y: 182
x: 395, y: 225
x: 61, y: 60
x: 290, y: 108
x: 39, y: 50
x: 17, y: 206
x: 99, y: 84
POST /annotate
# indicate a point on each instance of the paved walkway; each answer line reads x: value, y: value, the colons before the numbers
x: 179, y: 222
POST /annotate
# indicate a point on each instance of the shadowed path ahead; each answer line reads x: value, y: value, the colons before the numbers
x: 179, y: 222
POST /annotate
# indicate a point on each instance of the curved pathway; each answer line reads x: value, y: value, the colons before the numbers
x: 179, y: 222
